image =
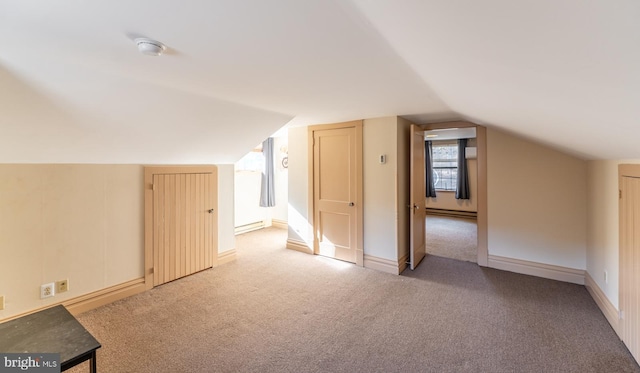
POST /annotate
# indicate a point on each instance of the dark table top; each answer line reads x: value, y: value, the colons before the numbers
x: 53, y: 330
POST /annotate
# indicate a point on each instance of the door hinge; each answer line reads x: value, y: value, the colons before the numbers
x: 621, y: 314
x: 620, y: 193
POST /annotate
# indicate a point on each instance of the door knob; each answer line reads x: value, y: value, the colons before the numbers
x: 210, y: 211
x: 351, y: 204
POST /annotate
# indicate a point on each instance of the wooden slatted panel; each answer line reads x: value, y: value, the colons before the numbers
x: 188, y: 219
x: 191, y: 228
x: 170, y: 255
x: 207, y: 222
x: 158, y: 230
x: 634, y: 244
x: 630, y: 263
x: 183, y: 228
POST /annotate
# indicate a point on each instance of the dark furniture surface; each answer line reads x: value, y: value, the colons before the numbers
x: 53, y: 330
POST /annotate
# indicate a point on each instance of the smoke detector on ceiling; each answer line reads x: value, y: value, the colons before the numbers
x: 150, y: 47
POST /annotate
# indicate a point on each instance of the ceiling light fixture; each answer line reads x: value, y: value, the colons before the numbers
x: 150, y: 47
x: 431, y: 135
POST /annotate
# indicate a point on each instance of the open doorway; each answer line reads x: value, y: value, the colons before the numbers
x: 451, y: 201
x: 457, y: 228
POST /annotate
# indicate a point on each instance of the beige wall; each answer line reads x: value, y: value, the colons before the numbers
x: 226, y: 231
x: 298, y: 213
x: 602, y: 225
x: 81, y: 222
x: 247, y: 186
x: 84, y: 223
x: 379, y: 181
x: 537, y: 201
x: 279, y: 211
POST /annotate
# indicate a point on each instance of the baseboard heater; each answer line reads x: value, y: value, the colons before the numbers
x: 249, y: 227
x: 453, y: 213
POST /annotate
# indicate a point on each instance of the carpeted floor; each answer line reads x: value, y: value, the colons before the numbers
x: 451, y: 237
x: 277, y: 310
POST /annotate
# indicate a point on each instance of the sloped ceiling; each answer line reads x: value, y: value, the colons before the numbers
x: 74, y: 89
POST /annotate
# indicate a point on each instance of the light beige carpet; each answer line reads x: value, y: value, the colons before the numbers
x: 278, y: 310
x: 450, y: 237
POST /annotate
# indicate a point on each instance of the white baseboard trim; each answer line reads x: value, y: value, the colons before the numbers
x: 299, y: 246
x: 553, y: 272
x: 607, y: 308
x: 249, y: 227
x: 385, y: 265
x: 226, y: 256
x: 282, y: 224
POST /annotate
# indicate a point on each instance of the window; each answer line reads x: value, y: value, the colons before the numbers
x: 445, y: 165
x: 253, y: 161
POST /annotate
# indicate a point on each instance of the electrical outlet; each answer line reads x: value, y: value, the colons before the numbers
x: 62, y: 286
x: 1, y: 302
x: 47, y: 290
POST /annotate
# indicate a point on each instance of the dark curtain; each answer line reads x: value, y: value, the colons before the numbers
x: 428, y: 162
x: 267, y: 191
x: 462, y: 182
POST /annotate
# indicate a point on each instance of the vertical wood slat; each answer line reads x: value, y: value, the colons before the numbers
x: 207, y: 220
x: 188, y: 209
x: 635, y: 244
x: 633, y: 325
x: 633, y: 270
x: 183, y: 226
x: 203, y: 220
x: 630, y: 263
x: 156, y: 228
x: 627, y: 263
x: 632, y: 234
x: 168, y: 227
x: 164, y: 251
x: 193, y: 223
x: 175, y: 264
x: 629, y: 260
x: 196, y: 250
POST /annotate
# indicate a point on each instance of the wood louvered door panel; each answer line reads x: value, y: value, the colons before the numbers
x: 630, y: 263
x: 183, y: 222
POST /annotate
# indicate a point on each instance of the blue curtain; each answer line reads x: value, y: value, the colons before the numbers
x: 428, y: 161
x: 267, y: 191
x: 462, y: 182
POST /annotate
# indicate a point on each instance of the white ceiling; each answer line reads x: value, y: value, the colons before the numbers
x: 73, y: 87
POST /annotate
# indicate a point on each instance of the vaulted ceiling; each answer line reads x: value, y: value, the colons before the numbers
x: 74, y: 88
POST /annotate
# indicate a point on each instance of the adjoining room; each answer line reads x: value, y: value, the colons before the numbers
x: 451, y: 193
